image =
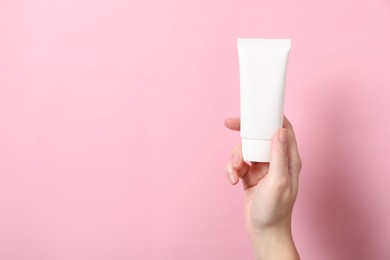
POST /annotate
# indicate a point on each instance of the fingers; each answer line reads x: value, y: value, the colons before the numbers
x: 231, y: 174
x: 285, y: 158
x: 295, y: 163
x: 279, y: 154
x: 256, y: 172
x: 234, y: 173
x: 286, y: 123
x: 233, y: 123
x: 238, y: 163
x: 236, y: 168
x: 285, y: 163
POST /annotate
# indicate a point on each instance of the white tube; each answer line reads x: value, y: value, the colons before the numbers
x: 263, y: 66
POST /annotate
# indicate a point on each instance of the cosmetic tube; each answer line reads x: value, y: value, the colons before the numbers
x: 263, y: 67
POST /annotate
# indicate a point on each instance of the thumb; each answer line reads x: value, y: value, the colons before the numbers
x: 279, y: 153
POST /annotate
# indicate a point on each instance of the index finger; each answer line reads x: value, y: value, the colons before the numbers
x: 233, y: 123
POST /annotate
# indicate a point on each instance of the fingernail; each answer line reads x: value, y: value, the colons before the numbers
x: 283, y: 135
x: 233, y: 178
x: 235, y: 161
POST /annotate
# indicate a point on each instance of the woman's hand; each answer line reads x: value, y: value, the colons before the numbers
x: 270, y: 193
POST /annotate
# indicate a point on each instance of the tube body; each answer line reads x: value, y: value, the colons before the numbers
x: 263, y: 66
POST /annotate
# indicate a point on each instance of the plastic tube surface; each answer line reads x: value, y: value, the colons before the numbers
x: 263, y: 67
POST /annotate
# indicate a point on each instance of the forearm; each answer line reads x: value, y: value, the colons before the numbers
x: 275, y: 244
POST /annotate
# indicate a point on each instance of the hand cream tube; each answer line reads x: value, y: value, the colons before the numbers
x: 263, y: 66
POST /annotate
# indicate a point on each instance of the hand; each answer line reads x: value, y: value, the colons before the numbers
x: 270, y: 192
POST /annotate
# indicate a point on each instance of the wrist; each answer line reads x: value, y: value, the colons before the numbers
x: 274, y: 242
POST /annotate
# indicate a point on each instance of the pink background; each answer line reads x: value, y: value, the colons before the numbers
x: 112, y: 144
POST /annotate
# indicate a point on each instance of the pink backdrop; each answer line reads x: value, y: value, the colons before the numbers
x: 112, y: 144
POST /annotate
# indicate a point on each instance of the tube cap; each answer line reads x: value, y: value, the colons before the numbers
x: 256, y: 150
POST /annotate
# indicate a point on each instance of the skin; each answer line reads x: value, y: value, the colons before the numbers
x: 270, y: 191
